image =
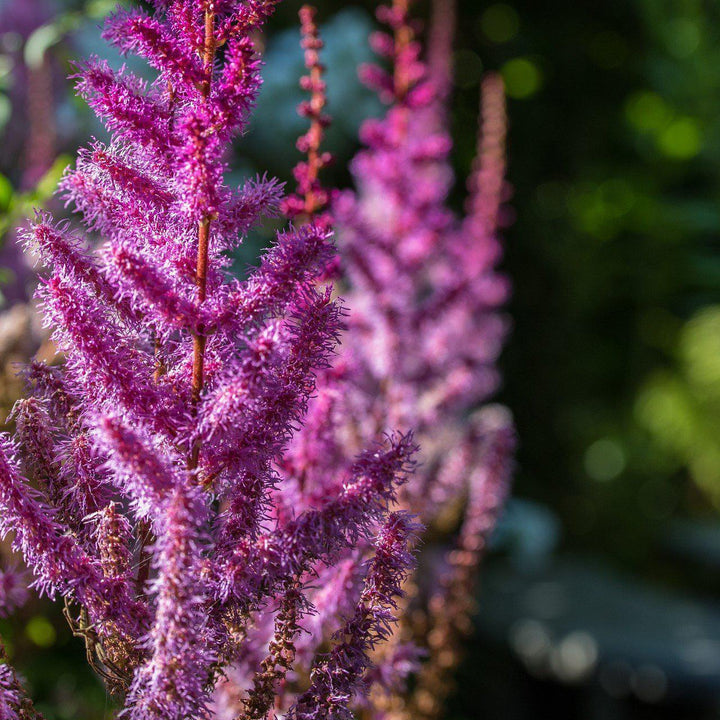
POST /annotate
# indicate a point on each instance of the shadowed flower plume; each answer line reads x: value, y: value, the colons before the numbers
x: 419, y: 352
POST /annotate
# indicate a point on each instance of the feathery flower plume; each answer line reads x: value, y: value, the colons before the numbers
x: 329, y: 488
x: 419, y: 350
x: 14, y: 702
x: 145, y: 484
x: 427, y: 326
x: 337, y: 677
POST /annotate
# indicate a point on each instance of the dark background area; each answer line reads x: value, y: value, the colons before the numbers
x: 601, y: 600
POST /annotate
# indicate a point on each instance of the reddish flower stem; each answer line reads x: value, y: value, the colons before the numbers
x: 310, y: 203
x: 200, y: 340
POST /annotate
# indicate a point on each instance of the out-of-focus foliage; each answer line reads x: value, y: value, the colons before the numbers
x: 615, y: 158
x: 15, y: 206
x: 677, y: 116
x: 680, y: 405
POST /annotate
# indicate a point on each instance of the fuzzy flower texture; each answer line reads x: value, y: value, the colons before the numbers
x: 217, y: 491
x: 418, y: 352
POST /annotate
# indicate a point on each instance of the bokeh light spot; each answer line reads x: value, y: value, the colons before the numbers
x: 662, y: 407
x: 100, y: 8
x: 531, y: 641
x: 700, y: 349
x: 605, y: 460
x: 596, y: 209
x: 522, y: 78
x: 500, y: 23
x: 5, y: 110
x: 6, y: 193
x: 6, y: 69
x: 649, y: 683
x: 647, y: 111
x: 617, y: 197
x: 11, y: 42
x: 681, y: 139
x: 683, y: 38
x: 575, y: 657
x: 40, y: 631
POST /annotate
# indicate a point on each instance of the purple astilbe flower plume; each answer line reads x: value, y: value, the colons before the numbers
x: 14, y: 701
x: 337, y: 677
x: 426, y: 327
x: 323, y: 482
x: 10, y: 693
x: 145, y: 484
x: 419, y: 350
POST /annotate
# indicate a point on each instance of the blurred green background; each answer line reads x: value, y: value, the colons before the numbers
x: 603, y: 598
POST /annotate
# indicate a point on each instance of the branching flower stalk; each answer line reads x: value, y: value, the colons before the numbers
x: 153, y: 481
x: 14, y: 702
x: 419, y: 351
x: 311, y: 200
x: 427, y: 330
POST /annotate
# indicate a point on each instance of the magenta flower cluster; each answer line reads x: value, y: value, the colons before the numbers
x: 213, y: 475
x: 146, y: 483
x: 427, y: 328
x: 419, y: 351
x: 427, y: 325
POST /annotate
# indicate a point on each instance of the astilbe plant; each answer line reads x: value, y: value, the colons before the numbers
x: 427, y: 329
x: 419, y: 350
x: 149, y: 483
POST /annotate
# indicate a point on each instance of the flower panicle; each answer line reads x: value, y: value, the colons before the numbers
x: 487, y: 189
x: 311, y: 200
x: 14, y: 700
x: 426, y: 331
x: 145, y: 486
x: 337, y: 678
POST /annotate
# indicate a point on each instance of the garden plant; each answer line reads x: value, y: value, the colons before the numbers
x: 225, y: 479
